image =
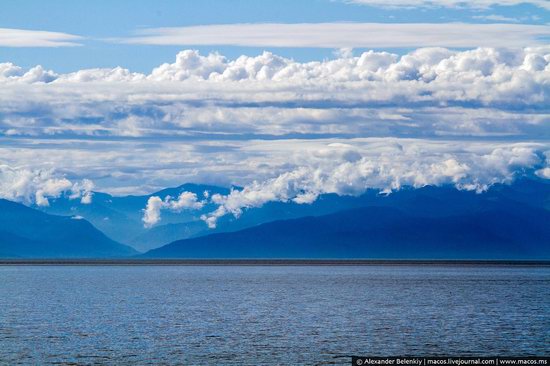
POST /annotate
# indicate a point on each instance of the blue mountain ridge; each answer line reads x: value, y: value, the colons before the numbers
x: 120, y: 217
x: 29, y: 233
x: 404, y: 221
x: 511, y: 231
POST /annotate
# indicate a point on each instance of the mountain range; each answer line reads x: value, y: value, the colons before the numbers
x: 381, y: 233
x: 506, y: 222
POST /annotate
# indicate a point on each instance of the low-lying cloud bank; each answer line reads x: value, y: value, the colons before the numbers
x: 37, y: 186
x: 355, y: 176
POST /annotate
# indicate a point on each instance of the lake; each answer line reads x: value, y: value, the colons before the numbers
x: 249, y: 315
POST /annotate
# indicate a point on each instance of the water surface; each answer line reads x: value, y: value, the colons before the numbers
x: 268, y: 315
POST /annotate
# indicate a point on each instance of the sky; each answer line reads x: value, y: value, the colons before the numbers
x: 287, y: 99
x: 99, y: 23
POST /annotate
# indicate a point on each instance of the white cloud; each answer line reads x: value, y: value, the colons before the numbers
x: 37, y: 186
x: 185, y: 201
x: 151, y: 214
x: 83, y: 190
x: 544, y: 173
x: 10, y: 72
x: 117, y: 74
x: 476, y: 4
x: 496, y: 18
x: 10, y: 37
x: 345, y: 35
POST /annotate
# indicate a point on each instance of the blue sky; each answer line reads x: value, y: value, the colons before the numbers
x: 288, y: 99
x: 99, y: 21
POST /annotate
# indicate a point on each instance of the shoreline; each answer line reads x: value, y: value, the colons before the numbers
x: 271, y: 262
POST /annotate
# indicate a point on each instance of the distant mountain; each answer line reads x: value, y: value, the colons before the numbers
x: 160, y: 235
x: 500, y: 229
x: 120, y: 217
x: 29, y: 233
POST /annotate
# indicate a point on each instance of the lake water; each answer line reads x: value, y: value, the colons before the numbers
x: 268, y: 315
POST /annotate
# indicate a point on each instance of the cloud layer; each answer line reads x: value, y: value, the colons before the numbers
x: 428, y: 92
x: 476, y: 4
x: 338, y: 35
x: 282, y: 129
x: 10, y: 37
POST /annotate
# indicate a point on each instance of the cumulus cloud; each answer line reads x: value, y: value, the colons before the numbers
x: 151, y: 214
x: 37, y: 74
x: 476, y: 4
x: 37, y: 186
x: 185, y: 201
x: 10, y: 37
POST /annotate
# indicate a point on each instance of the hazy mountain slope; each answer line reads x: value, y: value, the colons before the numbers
x: 162, y: 234
x: 26, y: 232
x: 120, y: 217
